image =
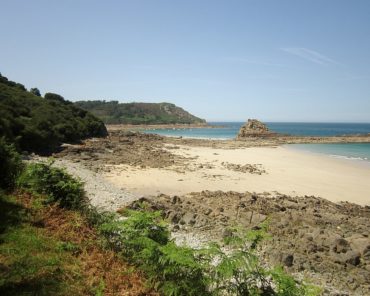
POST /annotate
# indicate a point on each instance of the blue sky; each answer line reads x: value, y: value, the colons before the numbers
x: 226, y: 60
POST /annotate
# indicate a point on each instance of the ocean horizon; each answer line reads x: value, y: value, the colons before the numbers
x: 229, y: 130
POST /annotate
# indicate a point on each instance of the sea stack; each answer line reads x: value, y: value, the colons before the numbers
x: 254, y: 128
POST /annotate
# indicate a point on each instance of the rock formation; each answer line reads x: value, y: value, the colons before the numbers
x: 254, y: 128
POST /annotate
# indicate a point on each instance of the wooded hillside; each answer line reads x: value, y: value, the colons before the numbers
x: 113, y: 112
x: 41, y: 124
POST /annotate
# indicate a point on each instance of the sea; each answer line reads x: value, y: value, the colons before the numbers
x: 229, y: 130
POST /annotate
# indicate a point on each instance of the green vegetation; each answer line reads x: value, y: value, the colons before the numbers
x: 37, y: 124
x: 32, y: 263
x: 143, y: 239
x: 46, y: 250
x: 11, y: 165
x: 35, y: 91
x: 49, y: 250
x: 139, y: 113
x: 55, y: 183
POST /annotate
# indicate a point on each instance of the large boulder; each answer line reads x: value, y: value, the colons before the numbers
x: 254, y: 128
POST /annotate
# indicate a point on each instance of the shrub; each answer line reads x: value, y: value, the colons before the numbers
x: 11, y: 165
x: 237, y: 270
x: 233, y: 269
x: 181, y: 271
x: 60, y: 187
x: 143, y: 238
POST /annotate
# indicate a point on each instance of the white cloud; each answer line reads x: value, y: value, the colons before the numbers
x: 310, y: 55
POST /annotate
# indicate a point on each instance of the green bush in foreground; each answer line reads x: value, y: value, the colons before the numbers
x: 58, y: 185
x: 10, y: 165
x: 239, y: 271
x: 143, y: 238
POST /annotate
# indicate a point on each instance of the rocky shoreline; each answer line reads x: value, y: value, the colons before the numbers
x: 313, y: 238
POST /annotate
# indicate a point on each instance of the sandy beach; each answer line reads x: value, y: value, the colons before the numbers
x: 288, y: 171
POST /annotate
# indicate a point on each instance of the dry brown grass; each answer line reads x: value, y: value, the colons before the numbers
x: 96, y: 264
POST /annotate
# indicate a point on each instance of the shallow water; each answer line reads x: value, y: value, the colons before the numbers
x: 353, y: 151
x: 229, y: 130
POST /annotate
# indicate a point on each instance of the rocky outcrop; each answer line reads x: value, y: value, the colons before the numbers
x: 254, y: 128
x: 327, y: 242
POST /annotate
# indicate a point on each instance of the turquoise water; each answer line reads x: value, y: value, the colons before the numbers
x: 229, y: 130
x: 354, y: 151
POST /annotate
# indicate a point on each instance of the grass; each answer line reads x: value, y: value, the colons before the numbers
x: 47, y: 250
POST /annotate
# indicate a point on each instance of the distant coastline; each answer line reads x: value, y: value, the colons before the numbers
x: 229, y: 130
x: 136, y: 113
x: 141, y: 127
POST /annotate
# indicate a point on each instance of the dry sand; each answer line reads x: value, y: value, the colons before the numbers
x: 288, y: 172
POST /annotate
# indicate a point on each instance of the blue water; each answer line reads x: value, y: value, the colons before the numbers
x: 229, y: 130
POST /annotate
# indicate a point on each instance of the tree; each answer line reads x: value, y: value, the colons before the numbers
x: 35, y: 91
x: 55, y: 97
